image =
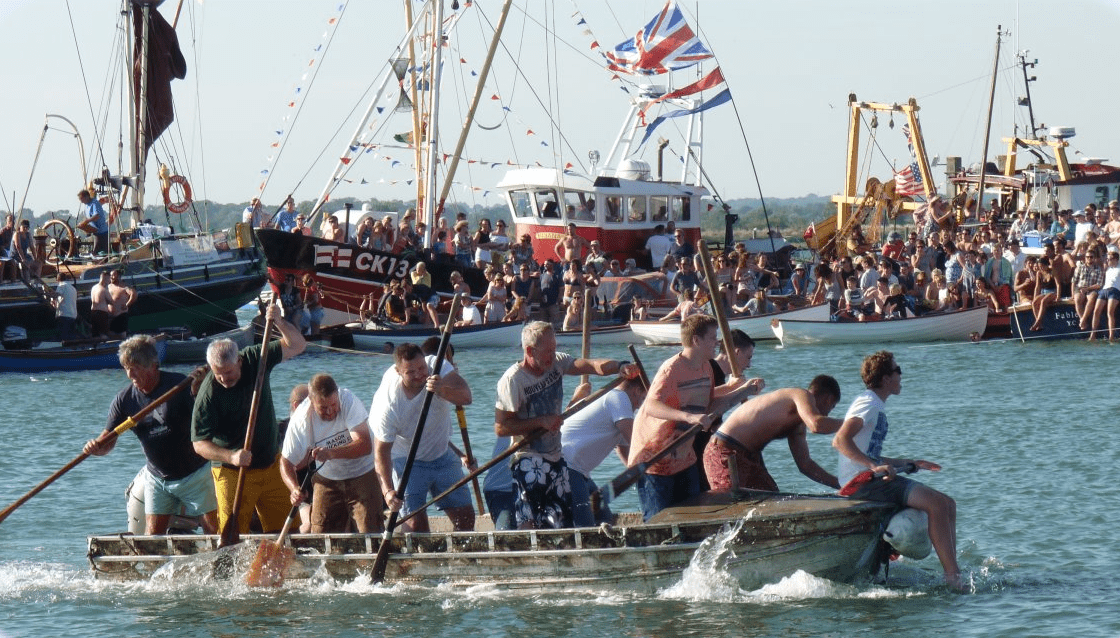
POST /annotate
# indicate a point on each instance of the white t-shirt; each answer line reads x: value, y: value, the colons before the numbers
x: 658, y: 247
x: 869, y: 407
x: 471, y: 314
x: 68, y: 305
x: 531, y: 396
x: 393, y: 416
x: 589, y: 436
x: 306, y: 430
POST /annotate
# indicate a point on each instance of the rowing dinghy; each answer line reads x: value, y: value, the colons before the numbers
x: 761, y: 537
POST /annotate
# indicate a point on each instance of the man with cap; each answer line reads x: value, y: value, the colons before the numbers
x: 631, y: 268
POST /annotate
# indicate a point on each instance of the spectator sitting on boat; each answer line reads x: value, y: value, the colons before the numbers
x: 1107, y: 299
x: 906, y: 277
x: 363, y: 236
x: 393, y: 308
x: 859, y: 442
x: 301, y: 226
x: 330, y: 428
x: 614, y: 269
x: 573, y: 316
x: 101, y: 307
x: 519, y: 312
x: 686, y: 278
x: 122, y: 297
x: 685, y: 308
x: 1110, y: 232
x: 631, y: 269
x: 589, y: 437
x: 595, y: 256
x: 291, y: 302
x: 895, y: 305
x: 470, y: 316
x: 394, y: 416
x: 985, y: 295
x: 682, y: 394
x: 853, y: 304
x: 800, y: 281
x: 895, y: 247
x: 463, y: 244
x: 786, y: 413
x: 1088, y: 277
x: 1025, y: 278
x: 23, y: 252
x: 522, y: 252
x: 1061, y: 265
x: 332, y: 231
x: 760, y: 304
x: 1045, y: 292
x: 530, y: 396
x: 179, y: 479
x: 746, y: 277
x: 876, y: 297
x: 1084, y: 221
x: 827, y: 288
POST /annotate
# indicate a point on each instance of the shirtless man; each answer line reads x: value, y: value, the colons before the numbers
x: 1062, y: 264
x: 101, y: 305
x: 783, y: 414
x: 121, y: 298
x: 572, y: 246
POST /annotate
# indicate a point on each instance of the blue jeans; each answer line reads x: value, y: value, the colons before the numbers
x: 500, y: 506
x: 658, y: 492
x: 582, y: 514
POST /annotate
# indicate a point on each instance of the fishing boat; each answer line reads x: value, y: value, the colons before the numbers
x: 486, y: 335
x: 959, y: 325
x: 100, y: 355
x: 758, y: 537
x: 182, y: 347
x: 184, y: 273
x: 666, y: 333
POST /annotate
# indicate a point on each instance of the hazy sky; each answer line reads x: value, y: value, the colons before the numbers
x: 790, y: 66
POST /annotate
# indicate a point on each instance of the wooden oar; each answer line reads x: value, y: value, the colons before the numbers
x: 461, y: 416
x: 230, y: 533
x: 532, y: 436
x: 105, y: 437
x: 267, y: 569
x: 585, y: 349
x: 622, y: 482
x: 717, y: 307
x: 641, y: 368
x: 378, y: 573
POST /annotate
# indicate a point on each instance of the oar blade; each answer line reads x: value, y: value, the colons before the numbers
x: 269, y: 565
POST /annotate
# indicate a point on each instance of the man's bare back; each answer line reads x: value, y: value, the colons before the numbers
x: 100, y: 299
x: 771, y: 416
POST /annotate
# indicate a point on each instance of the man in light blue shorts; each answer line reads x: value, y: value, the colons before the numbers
x: 393, y: 417
x: 179, y: 481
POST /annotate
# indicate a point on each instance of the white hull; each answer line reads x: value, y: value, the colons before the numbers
x: 497, y: 335
x: 606, y: 336
x: 952, y: 326
x: 668, y: 333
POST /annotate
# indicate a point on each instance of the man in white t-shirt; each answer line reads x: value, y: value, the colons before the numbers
x: 395, y: 413
x: 588, y: 437
x: 658, y: 246
x: 330, y: 427
x: 860, y: 443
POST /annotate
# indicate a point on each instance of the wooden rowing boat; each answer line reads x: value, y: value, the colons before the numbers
x: 487, y: 335
x: 960, y: 325
x: 618, y: 334
x: 99, y: 355
x: 760, y: 537
x: 666, y: 333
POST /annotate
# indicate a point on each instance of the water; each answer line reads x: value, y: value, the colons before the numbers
x: 1025, y: 433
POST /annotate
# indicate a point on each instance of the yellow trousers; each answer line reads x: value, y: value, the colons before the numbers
x: 264, y: 491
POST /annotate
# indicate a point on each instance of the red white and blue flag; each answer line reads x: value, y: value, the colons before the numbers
x: 908, y: 181
x: 666, y: 44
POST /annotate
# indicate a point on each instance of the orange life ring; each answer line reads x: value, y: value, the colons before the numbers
x: 181, y: 206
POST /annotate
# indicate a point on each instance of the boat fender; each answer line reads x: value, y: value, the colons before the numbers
x: 908, y: 533
x: 134, y: 495
x: 180, y: 206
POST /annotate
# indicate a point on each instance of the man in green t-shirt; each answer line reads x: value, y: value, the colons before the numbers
x: 220, y: 419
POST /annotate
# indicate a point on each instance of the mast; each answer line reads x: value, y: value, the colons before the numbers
x: 1027, y: 86
x: 469, y: 121
x: 139, y: 154
x: 988, y: 128
x: 424, y: 208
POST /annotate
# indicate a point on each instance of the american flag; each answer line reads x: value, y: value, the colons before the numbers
x: 666, y: 44
x: 908, y: 181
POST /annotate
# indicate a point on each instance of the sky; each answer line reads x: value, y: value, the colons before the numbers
x: 790, y: 66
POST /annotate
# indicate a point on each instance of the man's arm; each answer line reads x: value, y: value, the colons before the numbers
x: 291, y: 340
x: 288, y: 474
x: 799, y: 448
x: 361, y: 444
x: 603, y: 367
x: 509, y: 424
x: 451, y: 387
x: 383, y: 462
x: 733, y: 392
x: 811, y: 418
x: 211, y: 451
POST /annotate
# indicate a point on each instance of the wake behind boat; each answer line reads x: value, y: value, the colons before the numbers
x: 960, y: 325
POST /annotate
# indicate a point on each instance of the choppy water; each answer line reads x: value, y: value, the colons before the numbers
x: 1026, y: 434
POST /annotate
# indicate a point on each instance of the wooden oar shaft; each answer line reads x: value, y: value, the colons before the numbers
x: 231, y: 534
x: 526, y: 440
x: 461, y: 417
x: 717, y: 307
x: 641, y: 368
x: 628, y: 477
x: 377, y: 574
x: 105, y: 437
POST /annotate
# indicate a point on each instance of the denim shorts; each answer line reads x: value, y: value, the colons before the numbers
x: 657, y: 492
x: 1109, y: 293
x: 896, y: 490
x: 433, y: 477
x: 193, y: 493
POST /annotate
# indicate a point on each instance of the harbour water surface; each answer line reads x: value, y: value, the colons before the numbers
x: 1025, y: 433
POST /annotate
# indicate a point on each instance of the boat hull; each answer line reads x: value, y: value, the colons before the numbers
x: 1059, y: 322
x: 963, y: 325
x: 762, y: 537
x: 97, y: 356
x: 194, y: 350
x: 499, y: 335
x: 668, y: 333
x: 620, y: 334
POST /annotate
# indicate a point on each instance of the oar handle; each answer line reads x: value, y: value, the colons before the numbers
x: 717, y: 307
x: 641, y: 368
x: 105, y: 437
x: 526, y: 440
x: 461, y: 417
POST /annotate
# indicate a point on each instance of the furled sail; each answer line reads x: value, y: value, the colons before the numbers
x: 165, y: 63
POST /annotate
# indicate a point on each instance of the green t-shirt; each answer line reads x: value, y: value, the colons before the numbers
x: 221, y: 415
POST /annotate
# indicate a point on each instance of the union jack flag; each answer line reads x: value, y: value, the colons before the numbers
x: 666, y: 44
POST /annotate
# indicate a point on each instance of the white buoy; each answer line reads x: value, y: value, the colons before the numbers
x: 908, y: 533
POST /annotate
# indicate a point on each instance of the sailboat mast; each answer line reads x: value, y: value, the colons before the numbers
x: 469, y: 122
x: 988, y: 126
x: 425, y: 208
x: 418, y: 155
x: 139, y: 154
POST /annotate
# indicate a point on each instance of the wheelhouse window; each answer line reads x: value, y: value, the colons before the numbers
x: 579, y: 206
x: 521, y: 204
x: 637, y: 209
x: 659, y: 209
x: 615, y: 210
x: 548, y: 204
x: 682, y: 211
